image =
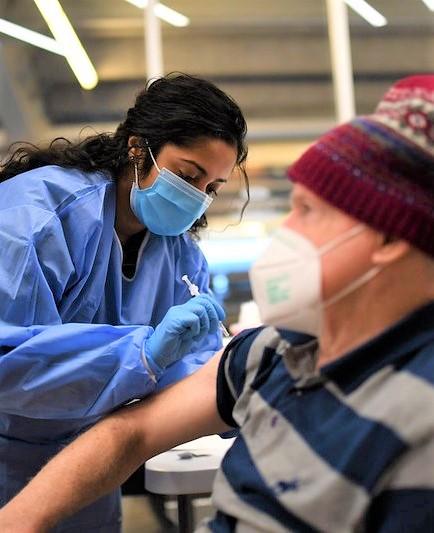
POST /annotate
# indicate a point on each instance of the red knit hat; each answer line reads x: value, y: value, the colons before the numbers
x: 380, y: 168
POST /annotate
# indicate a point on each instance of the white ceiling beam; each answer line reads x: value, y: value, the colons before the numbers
x: 153, y: 42
x: 340, y: 54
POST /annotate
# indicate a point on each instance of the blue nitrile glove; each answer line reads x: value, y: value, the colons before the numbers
x: 181, y: 326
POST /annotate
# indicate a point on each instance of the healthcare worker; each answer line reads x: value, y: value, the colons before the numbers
x: 95, y: 238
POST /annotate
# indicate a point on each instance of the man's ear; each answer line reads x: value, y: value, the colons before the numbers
x: 134, y: 146
x: 391, y: 251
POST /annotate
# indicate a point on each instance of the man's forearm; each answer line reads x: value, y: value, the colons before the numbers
x: 111, y: 451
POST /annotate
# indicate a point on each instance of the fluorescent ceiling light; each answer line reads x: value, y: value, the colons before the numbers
x: 164, y: 13
x: 65, y: 35
x: 366, y: 11
x: 31, y: 37
x: 429, y: 4
x: 171, y: 16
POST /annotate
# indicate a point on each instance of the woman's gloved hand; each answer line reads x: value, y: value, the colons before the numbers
x: 181, y: 326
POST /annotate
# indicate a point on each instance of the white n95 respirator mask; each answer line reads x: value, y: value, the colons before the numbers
x: 286, y: 280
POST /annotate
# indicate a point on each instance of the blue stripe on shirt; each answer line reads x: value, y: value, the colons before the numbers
x: 250, y: 487
x: 422, y: 365
x: 402, y: 511
x: 357, y: 447
x: 222, y: 523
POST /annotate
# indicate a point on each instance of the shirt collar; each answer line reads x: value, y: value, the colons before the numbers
x: 390, y: 347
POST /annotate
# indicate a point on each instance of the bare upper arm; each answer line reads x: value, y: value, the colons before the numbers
x: 183, y: 412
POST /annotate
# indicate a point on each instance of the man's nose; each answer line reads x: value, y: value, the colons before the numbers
x: 287, y: 221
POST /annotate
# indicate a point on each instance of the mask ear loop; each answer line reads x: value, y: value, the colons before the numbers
x: 354, y: 285
x: 152, y: 156
x: 367, y: 276
x: 340, y: 239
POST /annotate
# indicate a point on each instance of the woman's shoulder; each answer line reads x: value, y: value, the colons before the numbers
x: 52, y: 187
x: 62, y: 178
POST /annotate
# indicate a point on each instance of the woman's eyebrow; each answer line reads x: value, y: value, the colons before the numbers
x: 203, y: 171
x: 199, y: 168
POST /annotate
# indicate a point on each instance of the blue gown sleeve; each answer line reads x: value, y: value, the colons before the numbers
x: 48, y: 369
x: 196, y: 266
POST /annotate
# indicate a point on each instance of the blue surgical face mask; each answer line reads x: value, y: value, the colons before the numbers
x: 170, y: 205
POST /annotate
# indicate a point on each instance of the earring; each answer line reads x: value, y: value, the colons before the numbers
x: 135, y: 163
x: 136, y: 171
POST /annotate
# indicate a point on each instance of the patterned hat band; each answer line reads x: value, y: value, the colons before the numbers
x: 379, y: 168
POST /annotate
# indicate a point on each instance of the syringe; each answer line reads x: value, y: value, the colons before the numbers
x: 194, y: 291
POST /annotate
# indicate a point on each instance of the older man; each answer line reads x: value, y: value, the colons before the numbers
x: 335, y: 399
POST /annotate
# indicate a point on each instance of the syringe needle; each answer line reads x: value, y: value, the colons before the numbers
x: 194, y: 291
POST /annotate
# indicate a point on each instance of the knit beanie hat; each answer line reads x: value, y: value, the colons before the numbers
x: 379, y: 168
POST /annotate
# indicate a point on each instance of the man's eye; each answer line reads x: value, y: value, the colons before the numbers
x: 304, y: 208
x: 301, y: 209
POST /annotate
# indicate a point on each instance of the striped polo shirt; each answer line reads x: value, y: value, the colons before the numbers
x: 349, y: 447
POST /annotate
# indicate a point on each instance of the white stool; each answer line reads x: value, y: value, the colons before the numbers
x: 185, y: 471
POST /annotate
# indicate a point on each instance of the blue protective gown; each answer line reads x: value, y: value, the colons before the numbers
x: 72, y: 326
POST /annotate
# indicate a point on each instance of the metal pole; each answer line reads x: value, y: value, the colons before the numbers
x: 153, y: 42
x: 340, y: 52
x: 185, y: 513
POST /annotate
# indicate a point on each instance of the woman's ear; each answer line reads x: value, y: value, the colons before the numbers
x: 391, y: 251
x: 134, y: 146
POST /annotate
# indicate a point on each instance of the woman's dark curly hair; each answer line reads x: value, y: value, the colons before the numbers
x: 177, y: 109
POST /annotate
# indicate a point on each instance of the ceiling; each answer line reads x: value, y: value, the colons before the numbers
x: 272, y: 56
